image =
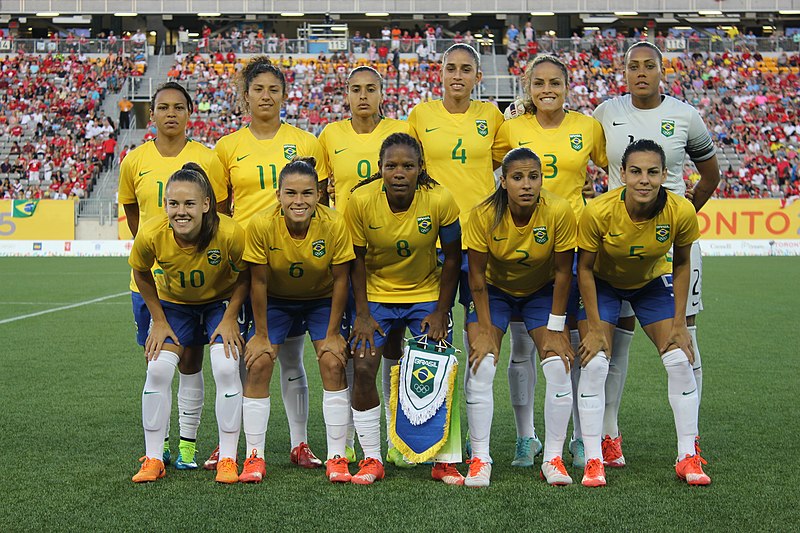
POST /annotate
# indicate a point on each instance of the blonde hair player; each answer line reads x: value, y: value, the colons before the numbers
x: 253, y: 158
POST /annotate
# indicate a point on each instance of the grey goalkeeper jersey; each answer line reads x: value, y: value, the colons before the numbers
x: 675, y: 125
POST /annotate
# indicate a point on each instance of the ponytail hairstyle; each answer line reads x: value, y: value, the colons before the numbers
x: 172, y: 85
x: 366, y: 68
x: 465, y: 48
x: 304, y: 166
x: 645, y: 44
x: 498, y: 200
x: 257, y: 65
x: 402, y: 139
x: 646, y: 145
x: 194, y: 173
x: 527, y: 78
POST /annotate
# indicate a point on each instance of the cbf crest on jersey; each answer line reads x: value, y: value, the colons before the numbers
x: 662, y: 232
x: 540, y: 234
x: 576, y: 141
x: 424, y: 224
x: 289, y: 151
x: 667, y: 128
x: 483, y: 127
x: 214, y: 257
x: 318, y: 248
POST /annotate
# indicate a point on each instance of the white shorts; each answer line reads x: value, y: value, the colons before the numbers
x: 694, y: 303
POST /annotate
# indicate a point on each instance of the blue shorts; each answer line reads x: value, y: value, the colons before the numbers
x: 533, y: 309
x: 291, y: 318
x: 652, y: 303
x: 389, y: 316
x: 193, y: 324
x: 141, y: 318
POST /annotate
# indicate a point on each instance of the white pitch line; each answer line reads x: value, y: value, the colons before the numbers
x: 62, y: 308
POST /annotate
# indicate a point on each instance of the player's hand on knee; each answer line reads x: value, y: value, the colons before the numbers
x: 556, y: 343
x: 159, y: 332
x: 595, y: 341
x: 362, y: 336
x: 483, y: 345
x: 232, y: 340
x: 336, y: 346
x: 258, y: 346
x: 679, y: 338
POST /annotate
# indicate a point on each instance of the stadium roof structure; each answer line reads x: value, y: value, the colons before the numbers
x: 644, y: 8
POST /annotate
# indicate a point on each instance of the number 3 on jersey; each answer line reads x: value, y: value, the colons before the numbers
x: 550, y: 161
x: 459, y: 155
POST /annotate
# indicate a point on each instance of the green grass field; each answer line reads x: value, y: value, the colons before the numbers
x: 71, y: 428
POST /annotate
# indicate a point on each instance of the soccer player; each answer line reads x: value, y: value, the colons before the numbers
x: 623, y: 237
x: 142, y: 180
x: 521, y: 243
x: 202, y: 288
x: 395, y: 219
x: 351, y: 148
x: 299, y: 253
x: 646, y: 113
x: 253, y: 158
x: 566, y: 141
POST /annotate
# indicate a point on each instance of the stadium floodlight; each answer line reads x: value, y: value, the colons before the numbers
x: 48, y: 14
x: 460, y: 14
x: 125, y: 14
x: 209, y: 14
x: 626, y: 13
x: 709, y: 12
x: 542, y: 13
x: 377, y: 14
x: 789, y: 12
x: 293, y: 14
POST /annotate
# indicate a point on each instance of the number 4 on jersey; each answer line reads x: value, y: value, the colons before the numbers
x: 459, y: 155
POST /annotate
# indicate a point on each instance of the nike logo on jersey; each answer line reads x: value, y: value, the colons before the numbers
x: 615, y: 123
x: 273, y: 248
x: 374, y: 227
x: 614, y: 234
x: 688, y: 393
x: 145, y: 172
x: 498, y: 239
x: 294, y: 378
x: 524, y: 143
x: 231, y: 395
x: 428, y: 130
x: 243, y: 157
x: 339, y: 151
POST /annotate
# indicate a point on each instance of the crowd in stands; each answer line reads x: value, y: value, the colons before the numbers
x: 54, y: 138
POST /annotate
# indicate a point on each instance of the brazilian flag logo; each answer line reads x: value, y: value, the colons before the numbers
x: 667, y: 128
x: 662, y: 232
x: 214, y: 257
x: 483, y: 127
x: 576, y: 141
x: 540, y: 234
x: 24, y: 208
x: 422, y: 376
x: 318, y: 248
x: 424, y: 224
x: 289, y: 151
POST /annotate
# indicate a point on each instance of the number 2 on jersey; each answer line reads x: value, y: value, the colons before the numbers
x: 462, y: 155
x: 274, y: 170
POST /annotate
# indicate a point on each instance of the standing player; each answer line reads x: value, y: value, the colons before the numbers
x: 299, y: 253
x: 396, y: 219
x: 202, y: 288
x: 623, y: 237
x: 253, y: 158
x: 646, y: 113
x: 521, y: 244
x: 566, y: 141
x: 142, y: 180
x: 351, y: 148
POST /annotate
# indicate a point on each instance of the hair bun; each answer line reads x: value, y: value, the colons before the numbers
x: 307, y: 159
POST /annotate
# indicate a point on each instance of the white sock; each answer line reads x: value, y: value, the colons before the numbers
x: 386, y: 374
x: 683, y: 399
x: 465, y: 338
x: 294, y: 388
x: 575, y: 376
x: 591, y: 401
x: 336, y: 412
x: 368, y: 427
x: 157, y: 401
x: 229, y: 400
x: 480, y: 407
x: 557, y: 406
x: 697, y: 367
x: 349, y: 372
x: 255, y: 416
x: 522, y: 379
x: 615, y: 382
x: 191, y: 389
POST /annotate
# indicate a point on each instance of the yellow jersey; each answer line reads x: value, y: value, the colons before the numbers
x: 631, y: 254
x: 252, y: 166
x: 565, y: 151
x: 190, y: 277
x: 521, y: 259
x: 401, y: 256
x: 144, y: 172
x: 352, y: 157
x: 458, y: 148
x: 298, y: 269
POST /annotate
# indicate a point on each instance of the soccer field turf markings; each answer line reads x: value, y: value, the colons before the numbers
x: 63, y: 307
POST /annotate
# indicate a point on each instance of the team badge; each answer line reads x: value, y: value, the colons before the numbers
x: 471, y: 307
x: 576, y: 141
x: 483, y: 127
x: 667, y: 128
x: 422, y: 376
x: 540, y: 234
x: 662, y: 232
x: 289, y: 151
x: 318, y: 248
x: 214, y: 257
x: 424, y: 224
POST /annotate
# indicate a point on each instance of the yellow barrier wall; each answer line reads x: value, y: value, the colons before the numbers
x: 52, y: 220
x: 749, y: 219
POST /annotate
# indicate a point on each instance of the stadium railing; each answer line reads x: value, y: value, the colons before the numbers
x: 87, y: 46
